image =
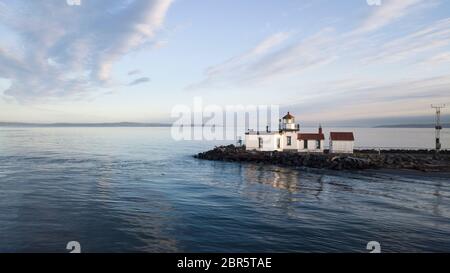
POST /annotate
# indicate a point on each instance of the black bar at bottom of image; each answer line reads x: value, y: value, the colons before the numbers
x: 206, y: 262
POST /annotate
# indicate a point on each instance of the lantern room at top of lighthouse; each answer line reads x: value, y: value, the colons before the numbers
x: 288, y: 123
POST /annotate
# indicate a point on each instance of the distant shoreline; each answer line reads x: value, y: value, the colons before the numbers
x: 113, y: 124
x: 428, y: 126
x: 156, y: 124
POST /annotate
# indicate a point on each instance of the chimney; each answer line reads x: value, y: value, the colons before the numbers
x: 320, y: 129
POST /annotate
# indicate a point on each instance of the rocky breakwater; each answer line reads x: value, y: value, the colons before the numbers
x: 422, y: 160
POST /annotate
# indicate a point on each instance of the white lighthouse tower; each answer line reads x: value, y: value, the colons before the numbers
x: 288, y: 131
x: 287, y: 124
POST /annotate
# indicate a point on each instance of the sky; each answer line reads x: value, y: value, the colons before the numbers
x: 134, y: 60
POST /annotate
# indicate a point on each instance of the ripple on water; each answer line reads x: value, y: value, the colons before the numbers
x: 135, y: 190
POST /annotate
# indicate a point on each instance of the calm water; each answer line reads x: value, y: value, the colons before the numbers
x: 136, y: 190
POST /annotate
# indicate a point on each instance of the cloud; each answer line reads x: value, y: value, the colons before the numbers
x: 434, y: 37
x: 59, y: 50
x: 311, y: 52
x: 270, y: 59
x: 238, y: 62
x: 285, y: 57
x: 139, y: 81
x: 364, y: 98
x: 441, y: 58
x: 134, y: 72
x: 270, y: 43
x: 388, y: 12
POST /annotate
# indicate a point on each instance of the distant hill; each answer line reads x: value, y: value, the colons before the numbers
x: 429, y: 125
x: 116, y: 124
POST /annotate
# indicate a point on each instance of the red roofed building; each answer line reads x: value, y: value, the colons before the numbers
x: 342, y: 142
x: 311, y: 142
x: 288, y: 138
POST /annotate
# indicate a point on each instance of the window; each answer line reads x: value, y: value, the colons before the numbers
x: 260, y: 142
x: 305, y: 144
x: 289, y: 141
x: 318, y: 144
x: 278, y: 143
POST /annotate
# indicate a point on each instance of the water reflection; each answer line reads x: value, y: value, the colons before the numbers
x: 141, y: 216
x: 105, y: 188
x: 438, y: 200
x: 279, y: 178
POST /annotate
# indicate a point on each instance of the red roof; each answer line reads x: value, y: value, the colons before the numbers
x: 342, y: 136
x: 310, y: 136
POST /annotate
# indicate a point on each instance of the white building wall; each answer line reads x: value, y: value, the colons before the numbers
x: 312, y: 146
x: 341, y: 146
x: 294, y: 141
x: 251, y: 142
x: 269, y: 142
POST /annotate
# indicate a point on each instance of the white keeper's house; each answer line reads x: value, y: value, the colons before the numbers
x: 289, y: 138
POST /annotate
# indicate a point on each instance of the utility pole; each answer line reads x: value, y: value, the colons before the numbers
x: 438, y: 126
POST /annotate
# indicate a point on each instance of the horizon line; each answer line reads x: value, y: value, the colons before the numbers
x: 165, y: 124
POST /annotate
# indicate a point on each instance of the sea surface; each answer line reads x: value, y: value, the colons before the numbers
x: 138, y: 190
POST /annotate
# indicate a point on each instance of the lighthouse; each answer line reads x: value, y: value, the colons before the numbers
x: 289, y: 139
x: 287, y: 124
